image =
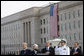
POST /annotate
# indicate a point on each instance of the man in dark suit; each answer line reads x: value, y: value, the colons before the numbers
x: 35, y: 50
x: 25, y: 51
x: 76, y: 50
x: 48, y: 50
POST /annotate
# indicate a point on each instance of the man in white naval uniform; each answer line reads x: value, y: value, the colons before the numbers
x: 63, y: 50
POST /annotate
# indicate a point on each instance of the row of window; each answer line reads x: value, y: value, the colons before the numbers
x: 65, y: 16
x: 8, y: 41
x: 72, y: 36
x: 10, y: 28
x: 65, y: 26
x: 43, y: 40
x: 10, y: 35
x: 69, y: 15
x: 70, y: 25
x: 44, y: 30
x: 43, y: 21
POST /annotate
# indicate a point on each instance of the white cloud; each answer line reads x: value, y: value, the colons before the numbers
x: 11, y: 7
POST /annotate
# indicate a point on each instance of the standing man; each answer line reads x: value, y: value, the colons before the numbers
x: 64, y: 50
x: 25, y: 51
x: 48, y: 50
x: 35, y: 50
x: 76, y: 50
x: 57, y: 49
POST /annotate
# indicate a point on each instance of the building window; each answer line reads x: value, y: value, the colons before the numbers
x: 74, y: 36
x: 18, y: 26
x: 3, y: 29
x: 41, y: 22
x: 61, y: 27
x: 79, y: 23
x: 78, y: 13
x: 41, y: 40
x: 79, y: 36
x: 65, y: 15
x: 65, y: 27
x: 44, y: 21
x: 41, y: 30
x: 14, y: 27
x: 44, y: 31
x: 69, y: 15
x: 47, y: 30
x: 58, y: 18
x: 66, y: 36
x: 47, y: 38
x: 47, y: 20
x: 70, y: 37
x: 60, y: 36
x: 73, y: 14
x: 44, y: 40
x: 58, y: 28
x: 6, y: 28
x: 74, y: 24
x: 61, y: 17
x: 69, y: 26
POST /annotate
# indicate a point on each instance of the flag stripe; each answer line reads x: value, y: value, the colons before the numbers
x: 53, y: 20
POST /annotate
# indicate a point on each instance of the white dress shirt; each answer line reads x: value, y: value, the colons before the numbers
x: 76, y: 49
x: 47, y: 48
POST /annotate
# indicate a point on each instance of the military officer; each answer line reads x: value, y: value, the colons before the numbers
x: 64, y: 50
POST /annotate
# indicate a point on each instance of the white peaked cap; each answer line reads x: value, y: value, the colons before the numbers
x: 64, y: 40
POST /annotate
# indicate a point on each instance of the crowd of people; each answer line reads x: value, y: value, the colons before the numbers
x: 60, y: 49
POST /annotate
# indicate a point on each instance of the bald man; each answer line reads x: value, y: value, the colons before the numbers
x: 48, y: 50
x: 25, y: 51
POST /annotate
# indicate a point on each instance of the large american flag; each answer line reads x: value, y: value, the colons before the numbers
x: 53, y: 20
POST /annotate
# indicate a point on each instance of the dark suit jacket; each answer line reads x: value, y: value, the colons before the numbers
x: 33, y: 52
x: 25, y: 52
x: 51, y: 50
x: 78, y: 50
